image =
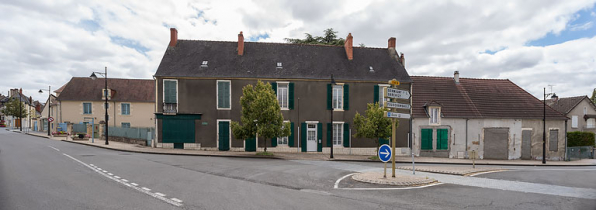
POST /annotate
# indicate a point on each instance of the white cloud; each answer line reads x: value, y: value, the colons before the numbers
x: 47, y: 42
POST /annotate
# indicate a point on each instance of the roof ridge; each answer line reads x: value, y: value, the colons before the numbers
x: 445, y: 77
x: 282, y: 43
x: 114, y: 78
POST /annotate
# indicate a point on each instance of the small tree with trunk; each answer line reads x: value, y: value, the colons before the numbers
x: 375, y: 125
x: 12, y: 108
x: 260, y: 114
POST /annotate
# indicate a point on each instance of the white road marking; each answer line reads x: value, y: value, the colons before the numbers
x: 173, y: 201
x: 117, y: 177
x: 486, y: 172
x: 98, y: 168
x: 104, y: 171
x: 92, y: 165
x: 124, y: 180
x: 339, y: 180
x: 54, y: 148
x: 144, y: 188
x: 160, y: 194
x: 110, y: 174
x: 134, y: 184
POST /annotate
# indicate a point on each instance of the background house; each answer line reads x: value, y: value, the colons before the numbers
x: 199, y: 85
x: 579, y: 109
x: 495, y: 117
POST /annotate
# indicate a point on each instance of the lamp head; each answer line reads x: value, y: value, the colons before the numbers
x: 555, y: 97
x: 93, y: 76
x: 40, y: 91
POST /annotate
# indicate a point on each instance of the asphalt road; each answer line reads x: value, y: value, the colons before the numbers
x: 38, y: 173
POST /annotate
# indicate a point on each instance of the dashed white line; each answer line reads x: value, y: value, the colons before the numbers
x: 160, y: 194
x: 54, y: 148
x: 110, y: 174
x: 173, y: 201
x: 134, y: 184
x: 117, y: 177
x: 144, y: 188
x: 124, y: 180
x: 99, y: 169
x: 92, y: 165
x: 104, y: 171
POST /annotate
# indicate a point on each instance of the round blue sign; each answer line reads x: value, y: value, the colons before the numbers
x: 384, y: 153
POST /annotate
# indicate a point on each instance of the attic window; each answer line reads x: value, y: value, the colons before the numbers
x: 279, y: 66
x: 204, y: 64
x: 371, y: 69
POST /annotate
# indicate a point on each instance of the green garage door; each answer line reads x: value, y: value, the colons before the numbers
x: 178, y: 129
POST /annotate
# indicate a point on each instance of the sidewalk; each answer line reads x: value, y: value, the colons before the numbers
x: 119, y: 146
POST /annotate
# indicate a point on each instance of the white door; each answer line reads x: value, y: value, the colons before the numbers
x: 311, y: 138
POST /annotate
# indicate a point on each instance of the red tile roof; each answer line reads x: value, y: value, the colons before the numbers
x: 126, y: 90
x: 477, y: 98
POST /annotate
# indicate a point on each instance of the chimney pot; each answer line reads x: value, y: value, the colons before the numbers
x: 348, y: 45
x: 240, y: 44
x: 391, y: 43
x: 402, y: 60
x: 456, y: 77
x: 173, y: 37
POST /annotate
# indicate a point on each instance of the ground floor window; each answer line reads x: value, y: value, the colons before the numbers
x: 338, y: 134
x: 282, y: 140
x: 126, y: 125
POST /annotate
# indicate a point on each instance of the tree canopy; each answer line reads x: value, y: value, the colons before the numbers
x: 260, y: 113
x: 330, y: 38
x: 12, y: 108
x: 375, y: 125
x: 593, y: 96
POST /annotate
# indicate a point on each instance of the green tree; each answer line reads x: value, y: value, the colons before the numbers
x: 330, y: 38
x: 12, y: 108
x: 260, y: 113
x: 594, y: 96
x: 375, y: 125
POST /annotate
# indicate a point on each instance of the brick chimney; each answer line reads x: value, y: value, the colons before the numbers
x: 173, y: 37
x: 240, y: 44
x: 20, y: 91
x: 349, y: 47
x: 456, y: 77
x: 402, y: 60
x: 391, y: 43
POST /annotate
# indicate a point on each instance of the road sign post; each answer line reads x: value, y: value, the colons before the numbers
x: 385, y: 154
x: 393, y: 93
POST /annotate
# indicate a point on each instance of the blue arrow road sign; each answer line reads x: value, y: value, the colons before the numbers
x: 385, y: 153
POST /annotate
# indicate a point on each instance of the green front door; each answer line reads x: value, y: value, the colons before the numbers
x: 250, y: 145
x: 224, y: 135
x: 442, y: 139
x: 426, y: 139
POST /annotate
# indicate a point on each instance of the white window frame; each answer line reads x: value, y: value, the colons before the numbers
x: 434, y: 115
x: 340, y: 100
x: 129, y: 111
x: 574, y: 121
x: 91, y: 111
x: 217, y: 94
x: 163, y: 91
x: 123, y: 123
x: 340, y: 136
x: 287, y: 97
x: 591, y: 123
x: 286, y: 137
x: 382, y: 89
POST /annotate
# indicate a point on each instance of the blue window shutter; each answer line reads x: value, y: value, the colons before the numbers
x: 346, y: 97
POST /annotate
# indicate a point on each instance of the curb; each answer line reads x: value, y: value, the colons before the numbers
x: 169, y: 153
x: 447, y: 163
x: 37, y: 136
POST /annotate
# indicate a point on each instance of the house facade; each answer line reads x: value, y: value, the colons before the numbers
x: 43, y: 122
x: 497, y: 119
x: 199, y: 85
x: 579, y: 109
x: 27, y: 105
x: 131, y: 102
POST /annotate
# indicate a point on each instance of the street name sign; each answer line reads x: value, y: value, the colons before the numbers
x: 394, y: 105
x: 397, y: 115
x: 396, y: 93
x: 385, y: 153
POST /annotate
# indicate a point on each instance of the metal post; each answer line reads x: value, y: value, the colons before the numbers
x: 298, y: 147
x: 106, y: 103
x: 331, y: 146
x: 350, y: 141
x: 393, y: 127
x: 413, y: 164
x: 20, y: 113
x: 385, y: 171
x: 49, y: 107
x: 544, y: 130
x: 92, y: 130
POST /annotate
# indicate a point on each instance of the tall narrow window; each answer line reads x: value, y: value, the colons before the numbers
x: 574, y: 121
x: 282, y: 95
x: 591, y: 123
x: 125, y: 107
x: 338, y: 134
x: 223, y: 95
x: 170, y: 96
x: 381, y: 95
x: 338, y: 98
x: 434, y: 115
x: 87, y: 109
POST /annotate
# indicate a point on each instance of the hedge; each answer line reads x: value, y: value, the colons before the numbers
x: 578, y: 139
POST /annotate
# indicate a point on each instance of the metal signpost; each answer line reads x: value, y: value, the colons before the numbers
x: 393, y: 93
x: 385, y: 155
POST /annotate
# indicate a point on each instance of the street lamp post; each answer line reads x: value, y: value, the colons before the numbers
x: 48, y: 105
x: 331, y: 146
x: 554, y: 96
x: 93, y: 77
x: 20, y: 113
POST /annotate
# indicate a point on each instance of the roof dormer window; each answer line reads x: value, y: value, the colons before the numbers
x: 435, y: 115
x: 204, y: 64
x: 371, y: 70
x: 279, y: 66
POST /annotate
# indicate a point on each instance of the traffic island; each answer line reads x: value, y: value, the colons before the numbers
x: 398, y: 180
x: 452, y: 170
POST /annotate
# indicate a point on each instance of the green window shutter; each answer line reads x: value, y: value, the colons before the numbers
x: 291, y: 138
x: 442, y: 139
x: 329, y: 130
x: 329, y: 96
x: 223, y: 94
x: 273, y: 142
x: 346, y: 135
x: 291, y: 95
x: 220, y: 95
x: 319, y: 136
x: 376, y: 94
x: 383, y: 141
x: 426, y: 139
x: 274, y: 87
x: 303, y: 137
x: 346, y: 97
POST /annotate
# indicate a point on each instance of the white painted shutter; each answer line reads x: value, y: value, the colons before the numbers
x: 574, y: 121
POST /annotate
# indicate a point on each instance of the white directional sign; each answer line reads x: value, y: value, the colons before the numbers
x: 397, y: 115
x: 395, y: 93
x: 394, y: 105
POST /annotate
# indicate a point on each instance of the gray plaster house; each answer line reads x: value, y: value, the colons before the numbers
x: 452, y: 116
x: 199, y: 85
x: 579, y: 109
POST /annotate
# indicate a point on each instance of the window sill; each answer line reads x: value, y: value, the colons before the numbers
x: 338, y: 110
x: 284, y: 109
x: 225, y: 109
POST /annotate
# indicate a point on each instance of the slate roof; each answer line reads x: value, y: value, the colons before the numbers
x: 126, y: 90
x: 477, y: 98
x: 299, y: 61
x: 565, y: 105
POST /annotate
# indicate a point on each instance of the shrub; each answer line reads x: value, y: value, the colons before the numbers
x: 578, y: 139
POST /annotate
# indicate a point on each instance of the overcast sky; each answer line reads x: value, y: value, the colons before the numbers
x: 532, y: 43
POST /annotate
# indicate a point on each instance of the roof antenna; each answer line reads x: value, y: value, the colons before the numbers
x: 551, y: 88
